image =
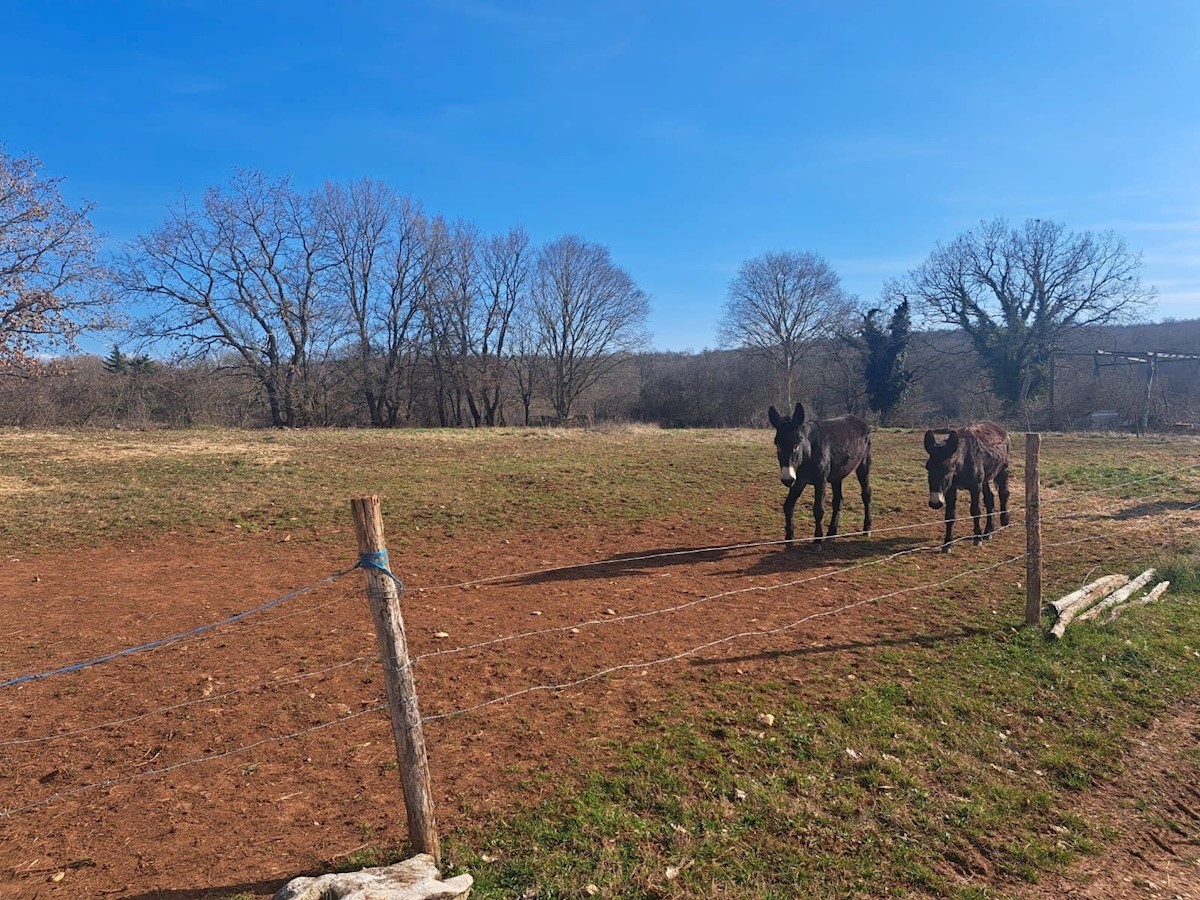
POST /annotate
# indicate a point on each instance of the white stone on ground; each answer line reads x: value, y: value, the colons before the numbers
x: 413, y: 879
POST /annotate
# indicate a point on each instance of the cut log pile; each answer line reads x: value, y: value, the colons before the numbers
x: 1111, y: 594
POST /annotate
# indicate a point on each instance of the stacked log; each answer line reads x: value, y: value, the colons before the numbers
x: 1070, y: 606
x: 1152, y: 595
x: 1117, y: 597
x: 1110, y: 593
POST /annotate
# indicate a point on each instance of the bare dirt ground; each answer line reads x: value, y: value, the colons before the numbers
x: 167, y: 804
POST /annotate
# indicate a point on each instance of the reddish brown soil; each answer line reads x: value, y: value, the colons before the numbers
x: 248, y: 821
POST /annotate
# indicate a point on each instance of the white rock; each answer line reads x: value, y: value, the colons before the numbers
x: 413, y: 879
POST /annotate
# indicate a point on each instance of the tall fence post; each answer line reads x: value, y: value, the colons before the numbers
x: 1033, y: 530
x: 383, y: 593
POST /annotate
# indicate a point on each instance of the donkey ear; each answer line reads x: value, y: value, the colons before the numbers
x: 930, y: 443
x: 773, y: 416
x: 798, y: 414
x: 952, y: 442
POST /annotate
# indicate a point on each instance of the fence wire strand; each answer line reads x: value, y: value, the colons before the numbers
x: 611, y: 620
x: 212, y: 698
x: 756, y: 544
x: 161, y: 642
x: 608, y: 620
x: 758, y: 633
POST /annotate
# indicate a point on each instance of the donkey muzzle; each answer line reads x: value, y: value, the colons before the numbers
x: 787, y: 475
x: 936, y: 500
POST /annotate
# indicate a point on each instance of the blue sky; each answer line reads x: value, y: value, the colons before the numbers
x: 687, y: 137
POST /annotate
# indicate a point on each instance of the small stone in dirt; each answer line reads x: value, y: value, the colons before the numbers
x: 536, y: 612
x: 766, y: 719
x: 592, y: 890
x: 441, y: 634
x: 610, y: 612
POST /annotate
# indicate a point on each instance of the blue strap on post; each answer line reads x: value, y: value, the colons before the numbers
x: 378, y: 560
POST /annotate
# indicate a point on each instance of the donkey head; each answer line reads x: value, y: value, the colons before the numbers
x: 942, y: 465
x: 792, y: 442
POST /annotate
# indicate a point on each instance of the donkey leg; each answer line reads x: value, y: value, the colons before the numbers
x: 975, y: 512
x: 837, y: 508
x: 818, y: 511
x: 789, y: 506
x: 989, y: 504
x: 951, y: 505
x: 1002, y: 488
x: 864, y: 480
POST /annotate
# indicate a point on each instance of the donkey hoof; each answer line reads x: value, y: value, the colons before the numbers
x: 946, y: 548
x: 978, y: 540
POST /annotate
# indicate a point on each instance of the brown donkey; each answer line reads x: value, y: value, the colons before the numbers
x: 969, y: 458
x: 814, y: 452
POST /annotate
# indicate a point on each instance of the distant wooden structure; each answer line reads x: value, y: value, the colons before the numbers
x: 1105, y: 358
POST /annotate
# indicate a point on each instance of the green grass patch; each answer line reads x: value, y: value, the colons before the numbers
x: 951, y: 783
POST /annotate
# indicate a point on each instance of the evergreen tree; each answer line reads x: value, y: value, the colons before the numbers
x: 119, y: 363
x: 116, y: 363
x: 883, y: 355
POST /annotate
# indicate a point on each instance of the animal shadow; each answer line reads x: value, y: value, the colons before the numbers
x: 626, y: 564
x: 804, y: 555
x: 1153, y: 507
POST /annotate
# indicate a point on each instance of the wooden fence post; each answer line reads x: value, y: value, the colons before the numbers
x: 1033, y: 531
x: 383, y: 592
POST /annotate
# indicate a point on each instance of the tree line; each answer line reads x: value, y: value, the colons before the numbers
x: 708, y: 389
x: 352, y: 305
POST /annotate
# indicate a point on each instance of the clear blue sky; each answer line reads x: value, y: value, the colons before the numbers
x: 685, y: 136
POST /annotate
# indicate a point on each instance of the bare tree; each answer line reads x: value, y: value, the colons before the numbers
x: 589, y: 312
x: 780, y: 303
x: 469, y: 316
x: 448, y: 305
x: 379, y: 249
x: 504, y: 264
x: 525, y: 354
x: 1016, y: 292
x: 247, y: 272
x: 51, y: 280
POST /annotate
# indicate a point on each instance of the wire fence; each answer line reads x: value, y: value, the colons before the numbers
x: 554, y: 686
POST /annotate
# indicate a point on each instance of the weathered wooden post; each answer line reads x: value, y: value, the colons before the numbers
x: 383, y: 593
x: 1033, y: 530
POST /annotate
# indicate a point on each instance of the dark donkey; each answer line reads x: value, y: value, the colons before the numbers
x: 817, y: 452
x: 969, y: 458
